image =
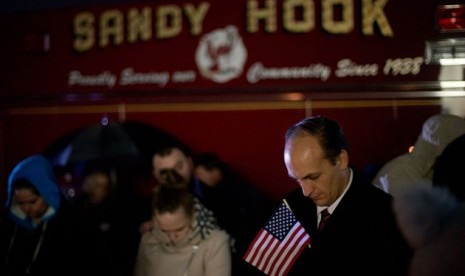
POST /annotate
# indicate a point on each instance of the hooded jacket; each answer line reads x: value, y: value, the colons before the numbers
x: 410, y: 169
x: 38, y: 170
x: 45, y: 248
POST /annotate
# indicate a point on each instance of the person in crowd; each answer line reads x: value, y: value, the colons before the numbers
x: 415, y: 167
x: 178, y: 244
x: 360, y: 235
x: 177, y: 157
x: 104, y: 231
x: 210, y: 169
x: 448, y: 168
x: 37, y: 235
x: 97, y: 187
x: 432, y: 219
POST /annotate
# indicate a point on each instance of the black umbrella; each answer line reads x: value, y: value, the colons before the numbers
x: 108, y: 141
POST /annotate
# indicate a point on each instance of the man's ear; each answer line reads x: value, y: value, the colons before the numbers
x: 343, y: 159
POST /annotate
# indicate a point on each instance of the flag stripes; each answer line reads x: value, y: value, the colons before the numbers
x: 278, y: 244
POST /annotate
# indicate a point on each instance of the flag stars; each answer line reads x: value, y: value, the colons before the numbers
x: 281, y: 222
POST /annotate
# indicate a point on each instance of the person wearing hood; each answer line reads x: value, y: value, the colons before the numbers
x: 417, y: 167
x: 178, y: 244
x: 35, y: 234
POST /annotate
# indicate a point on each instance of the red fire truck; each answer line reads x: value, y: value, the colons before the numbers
x: 230, y: 76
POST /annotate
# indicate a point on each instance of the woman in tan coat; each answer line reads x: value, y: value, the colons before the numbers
x: 179, y: 244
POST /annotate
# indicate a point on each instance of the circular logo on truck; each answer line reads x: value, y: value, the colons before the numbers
x: 221, y: 55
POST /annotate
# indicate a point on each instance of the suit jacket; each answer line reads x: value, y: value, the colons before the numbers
x: 360, y: 238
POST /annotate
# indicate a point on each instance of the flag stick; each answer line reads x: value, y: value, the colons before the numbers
x: 289, y: 207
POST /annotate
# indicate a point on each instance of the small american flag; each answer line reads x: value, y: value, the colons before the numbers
x: 278, y: 244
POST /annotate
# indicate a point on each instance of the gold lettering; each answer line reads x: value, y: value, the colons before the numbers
x: 166, y: 21
x: 169, y: 21
x: 308, y: 16
x: 372, y: 12
x: 196, y: 17
x: 139, y: 25
x: 84, y: 31
x: 111, y: 26
x: 346, y: 24
x: 254, y: 15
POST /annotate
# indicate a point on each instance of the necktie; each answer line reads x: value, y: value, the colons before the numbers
x: 324, y: 219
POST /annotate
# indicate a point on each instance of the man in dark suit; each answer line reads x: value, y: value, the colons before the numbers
x: 361, y: 236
